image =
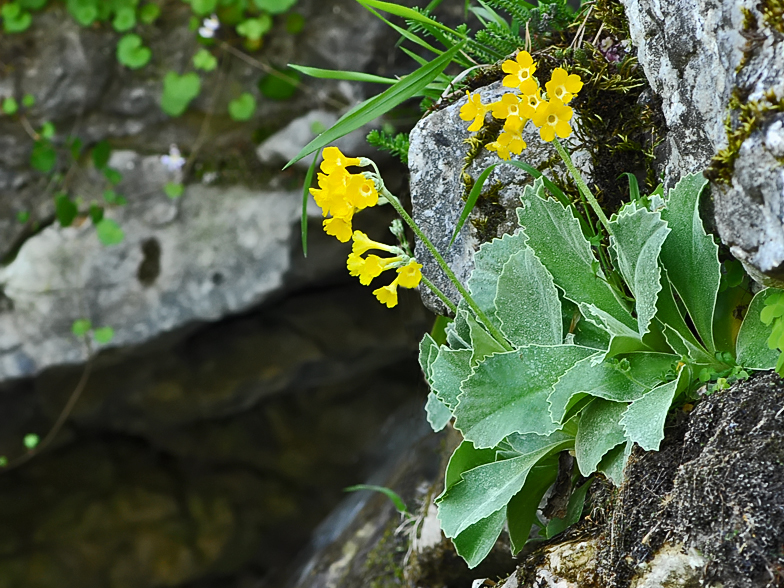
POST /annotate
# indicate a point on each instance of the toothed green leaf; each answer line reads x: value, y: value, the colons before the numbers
x: 599, y: 432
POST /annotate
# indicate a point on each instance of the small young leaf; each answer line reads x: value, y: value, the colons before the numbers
x: 81, y: 327
x: 438, y: 413
x: 96, y: 213
x: 47, y: 130
x: 178, y: 91
x: 274, y: 6
x: 124, y: 19
x: 28, y: 100
x: 22, y: 216
x: 202, y: 7
x: 132, y: 53
x: 112, y: 175
x: 103, y: 335
x: 43, y: 157
x: 10, y: 105
x: 65, y: 210
x: 242, y: 108
x: 109, y: 232
x: 173, y: 190
x: 85, y: 12
x: 15, y: 20
x: 101, y: 154
x: 149, y: 13
x: 204, y: 60
x: 31, y: 441
x: 254, y: 29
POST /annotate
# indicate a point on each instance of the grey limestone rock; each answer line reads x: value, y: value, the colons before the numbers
x: 697, y: 55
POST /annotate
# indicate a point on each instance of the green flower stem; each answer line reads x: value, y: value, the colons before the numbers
x: 581, y: 185
x: 441, y: 296
x: 497, y: 335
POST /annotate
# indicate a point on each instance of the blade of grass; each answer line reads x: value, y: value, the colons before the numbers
x: 407, y: 13
x: 391, y: 494
x: 335, y: 74
x: 634, y: 188
x: 303, y: 222
x: 378, y: 105
x: 476, y: 190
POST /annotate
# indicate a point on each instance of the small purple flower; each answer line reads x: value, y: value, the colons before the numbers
x: 174, y: 160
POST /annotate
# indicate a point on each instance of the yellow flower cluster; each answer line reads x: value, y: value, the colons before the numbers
x: 340, y: 193
x: 549, y: 113
x: 409, y: 272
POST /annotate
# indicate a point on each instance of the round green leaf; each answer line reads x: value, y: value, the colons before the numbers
x: 109, y: 232
x: 149, y: 13
x: 15, y: 20
x: 243, y: 107
x: 85, y: 12
x: 31, y: 441
x: 124, y: 19
x: 202, y: 7
x: 278, y: 87
x: 103, y: 335
x: 43, y: 157
x: 204, y: 60
x: 274, y: 6
x: 178, y: 91
x: 47, y: 130
x: 81, y: 327
x: 10, y: 105
x: 132, y: 53
x: 65, y: 210
x: 173, y: 190
x: 253, y: 29
x: 28, y: 100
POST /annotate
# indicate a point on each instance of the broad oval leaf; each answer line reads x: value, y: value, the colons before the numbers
x: 507, y: 393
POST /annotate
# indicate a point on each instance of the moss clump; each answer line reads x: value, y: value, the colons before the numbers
x: 742, y: 120
x: 383, y: 564
x: 773, y: 14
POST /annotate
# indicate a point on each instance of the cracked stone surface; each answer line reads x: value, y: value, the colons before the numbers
x: 695, y: 54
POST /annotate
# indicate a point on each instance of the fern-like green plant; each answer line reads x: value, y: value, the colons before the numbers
x: 397, y: 144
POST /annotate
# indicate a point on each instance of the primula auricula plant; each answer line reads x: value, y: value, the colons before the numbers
x: 569, y: 337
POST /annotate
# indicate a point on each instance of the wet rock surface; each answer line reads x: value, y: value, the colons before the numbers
x: 208, y: 461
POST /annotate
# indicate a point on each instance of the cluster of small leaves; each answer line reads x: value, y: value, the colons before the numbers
x: 396, y: 144
x: 250, y: 19
x: 83, y: 327
x: 594, y: 368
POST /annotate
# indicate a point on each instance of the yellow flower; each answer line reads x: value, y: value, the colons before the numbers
x: 553, y: 118
x: 334, y: 160
x: 388, y: 294
x: 533, y: 100
x: 339, y: 227
x: 508, y: 105
x: 562, y: 85
x: 502, y: 150
x: 410, y: 274
x: 520, y: 73
x: 361, y: 191
x: 362, y: 243
x: 474, y: 109
x: 355, y: 263
x: 331, y: 194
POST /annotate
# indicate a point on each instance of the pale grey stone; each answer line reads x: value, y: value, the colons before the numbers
x: 695, y: 53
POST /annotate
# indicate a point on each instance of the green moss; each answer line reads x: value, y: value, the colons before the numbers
x: 773, y: 14
x: 383, y: 564
x: 744, y: 117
